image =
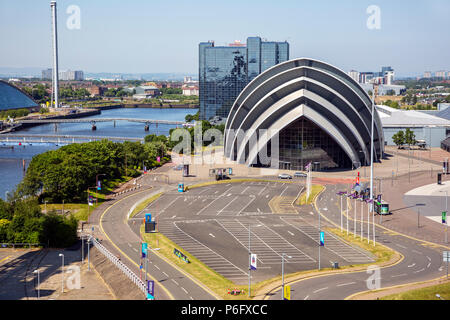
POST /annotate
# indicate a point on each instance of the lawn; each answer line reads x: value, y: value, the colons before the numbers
x: 315, y: 189
x: 428, y: 293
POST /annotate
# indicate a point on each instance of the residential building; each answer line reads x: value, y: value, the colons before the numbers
x: 354, y: 75
x: 47, y: 74
x: 427, y: 74
x: 225, y: 70
x: 96, y: 90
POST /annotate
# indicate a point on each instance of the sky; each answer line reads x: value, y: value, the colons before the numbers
x: 155, y: 36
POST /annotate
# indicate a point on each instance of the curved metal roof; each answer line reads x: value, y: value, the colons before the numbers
x: 303, y: 87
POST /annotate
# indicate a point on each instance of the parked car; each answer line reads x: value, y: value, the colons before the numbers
x: 284, y: 176
x: 300, y: 175
x: 178, y: 167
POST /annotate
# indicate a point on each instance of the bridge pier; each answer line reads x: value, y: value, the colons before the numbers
x: 146, y: 128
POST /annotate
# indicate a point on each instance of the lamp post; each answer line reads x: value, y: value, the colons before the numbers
x: 368, y: 201
x: 96, y: 183
x: 38, y: 286
x: 371, y: 146
x: 62, y: 273
x: 362, y: 209
x: 282, y: 274
x: 446, y: 210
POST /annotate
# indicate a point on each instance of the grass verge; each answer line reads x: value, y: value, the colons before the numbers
x: 315, y: 189
x: 210, y: 278
x: 144, y: 204
x: 428, y: 293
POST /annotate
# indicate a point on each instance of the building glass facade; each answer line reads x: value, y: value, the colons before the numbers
x: 225, y: 71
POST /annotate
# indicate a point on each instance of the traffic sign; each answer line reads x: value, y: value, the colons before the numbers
x: 322, y: 238
x: 444, y: 216
x: 287, y: 293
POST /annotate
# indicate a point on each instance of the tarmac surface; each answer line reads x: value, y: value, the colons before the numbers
x: 213, y: 223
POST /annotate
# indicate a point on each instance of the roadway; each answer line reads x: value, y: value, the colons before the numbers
x: 420, y: 262
x: 111, y: 220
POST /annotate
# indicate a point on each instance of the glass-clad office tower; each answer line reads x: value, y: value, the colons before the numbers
x: 224, y: 71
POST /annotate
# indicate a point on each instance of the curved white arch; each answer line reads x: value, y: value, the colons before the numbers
x: 267, y: 83
x: 293, y: 115
x: 281, y: 104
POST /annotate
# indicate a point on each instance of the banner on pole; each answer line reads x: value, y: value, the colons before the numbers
x: 253, y: 261
x: 444, y: 216
x: 144, y: 249
x: 287, y: 293
x: 322, y: 238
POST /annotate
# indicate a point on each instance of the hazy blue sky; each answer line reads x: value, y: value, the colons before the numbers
x: 137, y: 36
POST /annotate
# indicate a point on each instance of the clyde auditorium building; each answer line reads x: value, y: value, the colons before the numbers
x: 316, y: 112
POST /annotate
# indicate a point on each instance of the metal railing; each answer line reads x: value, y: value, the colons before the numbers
x: 119, y: 264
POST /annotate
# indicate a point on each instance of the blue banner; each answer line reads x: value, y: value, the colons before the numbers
x: 322, y: 238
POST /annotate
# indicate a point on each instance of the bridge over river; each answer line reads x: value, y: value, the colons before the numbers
x: 95, y: 120
x: 58, y: 139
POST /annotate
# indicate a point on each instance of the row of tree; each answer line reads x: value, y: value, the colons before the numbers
x: 22, y: 221
x: 401, y: 138
x: 66, y: 173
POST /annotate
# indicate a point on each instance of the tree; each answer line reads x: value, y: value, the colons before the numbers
x: 410, y: 137
x: 399, y: 139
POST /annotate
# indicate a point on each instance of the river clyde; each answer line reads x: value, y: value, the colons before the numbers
x: 12, y: 160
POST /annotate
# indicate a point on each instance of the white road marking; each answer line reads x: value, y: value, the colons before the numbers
x: 157, y: 267
x: 184, y: 290
x: 311, y: 213
x: 212, y: 235
x: 399, y: 275
x: 191, y: 298
x: 411, y: 265
x: 267, y: 196
x: 419, y: 270
x: 306, y: 298
x: 175, y: 282
x: 320, y: 289
x: 173, y: 216
x: 166, y: 274
x: 441, y: 268
x: 345, y: 284
x: 258, y: 209
x: 415, y: 251
x: 429, y: 259
x: 290, y: 233
x: 429, y: 264
x: 135, y: 249
x: 399, y: 245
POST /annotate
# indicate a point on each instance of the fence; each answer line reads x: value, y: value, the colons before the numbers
x: 119, y: 264
x: 21, y: 245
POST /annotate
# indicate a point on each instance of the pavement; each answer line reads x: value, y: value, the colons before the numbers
x: 421, y: 261
x: 213, y: 223
x: 17, y: 281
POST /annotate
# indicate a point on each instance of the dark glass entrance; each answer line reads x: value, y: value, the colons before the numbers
x: 303, y: 142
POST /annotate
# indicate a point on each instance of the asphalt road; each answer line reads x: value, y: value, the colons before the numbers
x: 169, y: 282
x: 213, y: 222
x: 420, y: 262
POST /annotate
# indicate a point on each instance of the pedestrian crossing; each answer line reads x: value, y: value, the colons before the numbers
x: 332, y: 243
x: 209, y: 257
x: 267, y: 244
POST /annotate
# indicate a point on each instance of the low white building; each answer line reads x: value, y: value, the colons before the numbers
x: 426, y: 127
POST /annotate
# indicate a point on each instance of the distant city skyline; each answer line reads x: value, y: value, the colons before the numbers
x: 140, y: 37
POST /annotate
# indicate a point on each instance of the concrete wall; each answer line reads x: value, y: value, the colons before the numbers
x: 422, y: 133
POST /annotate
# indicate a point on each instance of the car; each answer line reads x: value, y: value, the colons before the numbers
x: 284, y: 176
x: 300, y: 175
x: 178, y: 167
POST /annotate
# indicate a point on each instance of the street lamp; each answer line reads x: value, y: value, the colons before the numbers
x: 250, y: 260
x: 282, y: 273
x: 62, y: 273
x: 38, y: 286
x: 446, y: 210
x: 146, y: 261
